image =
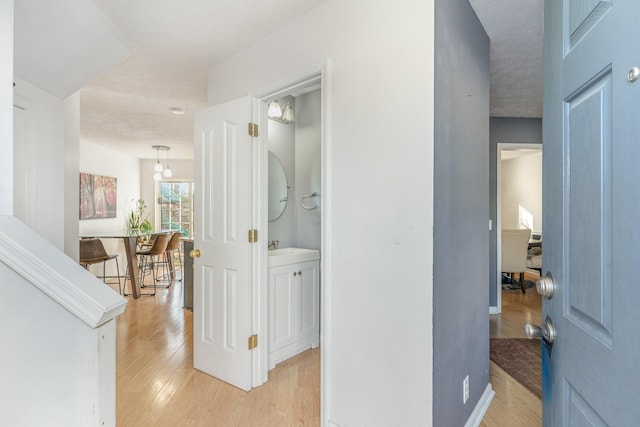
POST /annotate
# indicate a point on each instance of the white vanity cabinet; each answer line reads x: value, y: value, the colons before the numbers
x: 294, y: 309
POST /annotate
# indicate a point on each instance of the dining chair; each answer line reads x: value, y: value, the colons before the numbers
x: 150, y: 259
x: 515, y: 244
x: 92, y: 251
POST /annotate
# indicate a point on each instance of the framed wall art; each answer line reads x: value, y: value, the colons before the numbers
x: 98, y: 196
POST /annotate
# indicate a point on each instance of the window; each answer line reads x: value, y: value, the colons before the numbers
x: 176, y: 207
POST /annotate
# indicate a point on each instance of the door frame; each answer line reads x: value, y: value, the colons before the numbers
x: 503, y: 146
x: 317, y: 75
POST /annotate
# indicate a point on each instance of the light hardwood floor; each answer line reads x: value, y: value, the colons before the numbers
x: 156, y: 383
x: 513, y: 405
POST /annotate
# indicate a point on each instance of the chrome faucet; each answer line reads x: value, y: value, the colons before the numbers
x: 273, y: 244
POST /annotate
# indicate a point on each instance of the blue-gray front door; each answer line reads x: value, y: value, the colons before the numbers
x: 591, y: 187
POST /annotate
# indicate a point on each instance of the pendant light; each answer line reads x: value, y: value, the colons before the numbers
x: 158, y: 168
x: 167, y: 171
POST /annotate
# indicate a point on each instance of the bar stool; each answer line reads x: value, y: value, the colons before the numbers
x: 149, y: 259
x: 172, y: 247
x: 92, y: 251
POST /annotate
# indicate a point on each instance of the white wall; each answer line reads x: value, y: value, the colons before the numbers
x: 6, y: 107
x: 521, y: 182
x: 100, y: 160
x: 71, y: 173
x: 377, y: 259
x: 44, y: 115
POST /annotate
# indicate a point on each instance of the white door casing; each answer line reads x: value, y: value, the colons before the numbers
x: 591, y: 199
x: 225, y: 281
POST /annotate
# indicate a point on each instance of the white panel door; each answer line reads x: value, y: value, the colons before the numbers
x: 591, y: 197
x: 223, y: 216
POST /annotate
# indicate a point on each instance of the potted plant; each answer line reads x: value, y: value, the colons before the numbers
x: 135, y: 222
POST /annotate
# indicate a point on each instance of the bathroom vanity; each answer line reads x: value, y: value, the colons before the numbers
x: 294, y: 302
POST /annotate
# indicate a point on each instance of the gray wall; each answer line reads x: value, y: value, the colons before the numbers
x: 504, y: 130
x: 282, y: 142
x: 461, y: 212
x: 308, y: 169
x: 297, y: 146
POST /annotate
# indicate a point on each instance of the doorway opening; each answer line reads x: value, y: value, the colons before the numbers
x: 297, y: 146
x: 518, y: 197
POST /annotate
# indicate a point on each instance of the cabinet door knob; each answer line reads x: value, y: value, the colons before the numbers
x: 299, y: 273
x: 295, y: 274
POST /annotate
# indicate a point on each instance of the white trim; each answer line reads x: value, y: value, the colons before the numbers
x: 481, y: 407
x: 57, y: 275
x: 325, y: 244
x: 499, y: 147
x: 259, y: 293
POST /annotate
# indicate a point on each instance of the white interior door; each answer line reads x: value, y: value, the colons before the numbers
x: 223, y: 274
x: 592, y: 200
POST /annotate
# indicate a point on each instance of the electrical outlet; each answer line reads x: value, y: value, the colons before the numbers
x: 465, y: 389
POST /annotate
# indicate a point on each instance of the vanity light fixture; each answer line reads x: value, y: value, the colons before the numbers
x: 157, y: 176
x: 288, y: 115
x: 277, y: 113
x: 274, y: 110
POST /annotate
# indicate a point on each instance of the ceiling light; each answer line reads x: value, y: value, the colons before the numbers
x: 177, y: 111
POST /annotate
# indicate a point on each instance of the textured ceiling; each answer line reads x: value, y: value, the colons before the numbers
x: 175, y: 41
x: 515, y: 30
x: 128, y: 108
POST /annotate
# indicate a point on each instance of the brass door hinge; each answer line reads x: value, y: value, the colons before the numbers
x: 253, y: 342
x: 253, y: 235
x: 253, y: 130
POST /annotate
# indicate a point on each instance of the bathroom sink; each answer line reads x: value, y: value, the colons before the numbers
x: 286, y: 256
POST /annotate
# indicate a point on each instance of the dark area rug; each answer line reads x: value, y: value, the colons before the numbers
x: 506, y: 283
x: 521, y: 359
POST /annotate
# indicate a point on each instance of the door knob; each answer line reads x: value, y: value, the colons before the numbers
x: 547, y: 332
x: 545, y: 286
x: 195, y: 253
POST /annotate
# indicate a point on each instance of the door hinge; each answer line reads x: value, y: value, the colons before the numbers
x: 253, y: 235
x: 253, y: 130
x: 253, y: 342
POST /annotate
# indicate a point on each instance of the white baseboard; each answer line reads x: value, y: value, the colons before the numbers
x: 493, y: 310
x: 481, y: 408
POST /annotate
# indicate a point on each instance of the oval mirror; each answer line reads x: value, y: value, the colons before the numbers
x: 277, y: 188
